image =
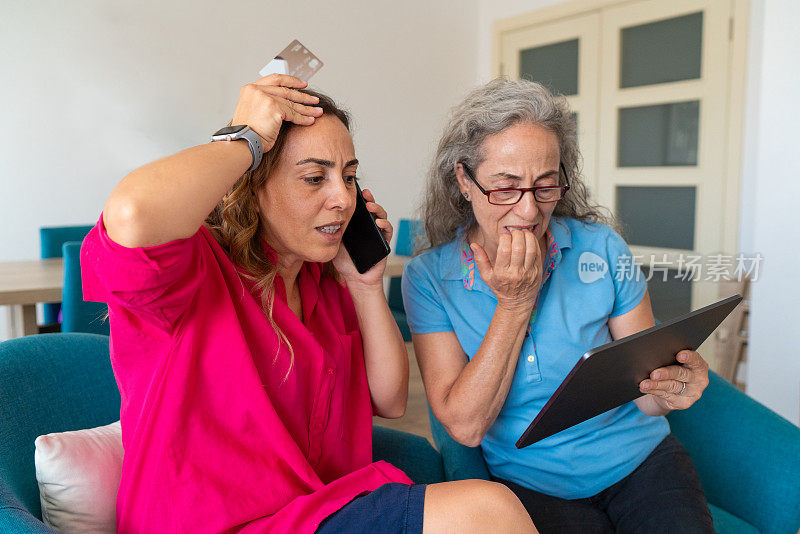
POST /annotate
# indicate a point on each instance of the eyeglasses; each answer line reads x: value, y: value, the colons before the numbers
x: 512, y: 195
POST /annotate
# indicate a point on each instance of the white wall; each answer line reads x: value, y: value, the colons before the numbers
x: 770, y: 188
x: 91, y: 89
x: 772, y: 191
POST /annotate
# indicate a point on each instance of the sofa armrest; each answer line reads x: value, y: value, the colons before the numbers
x: 409, y: 452
x: 18, y: 521
x: 460, y: 462
x: 748, y: 457
x: 15, y: 519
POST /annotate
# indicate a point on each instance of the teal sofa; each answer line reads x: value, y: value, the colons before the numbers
x: 748, y: 458
x: 59, y: 382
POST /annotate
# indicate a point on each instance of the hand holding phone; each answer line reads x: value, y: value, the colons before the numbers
x: 363, y: 239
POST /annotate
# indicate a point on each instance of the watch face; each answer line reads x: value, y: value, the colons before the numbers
x: 228, y: 130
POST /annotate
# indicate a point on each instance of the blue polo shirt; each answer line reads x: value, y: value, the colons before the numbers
x: 590, y: 278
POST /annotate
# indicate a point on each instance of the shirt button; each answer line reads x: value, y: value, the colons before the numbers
x: 531, y: 358
x: 331, y: 370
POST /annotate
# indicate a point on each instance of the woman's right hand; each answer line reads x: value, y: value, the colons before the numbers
x: 516, y: 274
x: 265, y: 103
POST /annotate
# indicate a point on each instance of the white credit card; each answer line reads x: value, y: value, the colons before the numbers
x: 295, y: 60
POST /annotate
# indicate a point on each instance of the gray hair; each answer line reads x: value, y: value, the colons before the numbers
x: 486, y: 111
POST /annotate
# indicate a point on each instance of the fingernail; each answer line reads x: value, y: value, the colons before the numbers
x: 658, y: 375
x: 646, y: 385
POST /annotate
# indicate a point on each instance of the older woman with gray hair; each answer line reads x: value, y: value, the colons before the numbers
x: 499, y: 315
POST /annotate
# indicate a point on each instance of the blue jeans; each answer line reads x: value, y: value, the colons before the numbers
x: 663, y: 494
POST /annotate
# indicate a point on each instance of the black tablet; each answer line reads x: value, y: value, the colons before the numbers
x: 609, y: 376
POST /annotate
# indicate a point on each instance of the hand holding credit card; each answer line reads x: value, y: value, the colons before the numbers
x: 258, y: 101
x: 295, y: 60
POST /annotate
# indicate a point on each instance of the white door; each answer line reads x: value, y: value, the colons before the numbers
x: 650, y: 84
x: 662, y: 141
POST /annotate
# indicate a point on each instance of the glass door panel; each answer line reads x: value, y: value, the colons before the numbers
x: 658, y: 135
x: 657, y: 217
x: 662, y: 51
x: 670, y: 292
x: 555, y: 66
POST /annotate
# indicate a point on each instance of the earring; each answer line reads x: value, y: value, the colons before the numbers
x: 466, y: 195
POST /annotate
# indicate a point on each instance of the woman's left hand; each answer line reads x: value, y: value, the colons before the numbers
x: 677, y: 387
x: 345, y: 266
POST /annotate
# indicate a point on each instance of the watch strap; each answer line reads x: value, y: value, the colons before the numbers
x: 253, y: 141
x: 256, y: 150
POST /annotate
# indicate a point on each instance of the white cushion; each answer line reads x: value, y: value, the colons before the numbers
x: 78, y: 474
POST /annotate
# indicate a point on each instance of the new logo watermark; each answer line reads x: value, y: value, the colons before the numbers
x: 685, y: 267
x: 591, y: 267
x: 690, y: 267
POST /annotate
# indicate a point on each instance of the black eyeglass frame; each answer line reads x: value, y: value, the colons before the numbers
x: 522, y: 190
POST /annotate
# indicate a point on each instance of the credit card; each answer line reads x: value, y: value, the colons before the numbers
x: 295, y: 60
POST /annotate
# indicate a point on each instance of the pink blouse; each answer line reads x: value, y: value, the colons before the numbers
x: 220, y: 434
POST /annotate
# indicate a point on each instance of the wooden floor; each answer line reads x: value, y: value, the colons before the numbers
x: 416, y: 418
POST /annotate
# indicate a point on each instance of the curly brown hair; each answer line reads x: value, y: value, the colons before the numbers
x: 236, y: 225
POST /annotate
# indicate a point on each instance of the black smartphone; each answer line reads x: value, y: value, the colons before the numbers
x: 363, y: 239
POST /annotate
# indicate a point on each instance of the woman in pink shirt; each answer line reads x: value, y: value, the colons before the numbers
x: 249, y: 353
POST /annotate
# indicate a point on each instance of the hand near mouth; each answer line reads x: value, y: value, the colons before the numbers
x: 516, y: 274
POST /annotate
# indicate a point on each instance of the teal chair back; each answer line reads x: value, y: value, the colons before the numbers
x: 408, y: 230
x: 407, y: 233
x: 77, y: 314
x: 48, y: 383
x: 51, y: 240
x: 747, y: 456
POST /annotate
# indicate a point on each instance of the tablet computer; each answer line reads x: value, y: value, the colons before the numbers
x: 608, y: 376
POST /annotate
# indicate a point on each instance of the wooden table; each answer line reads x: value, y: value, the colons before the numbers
x: 395, y: 265
x: 23, y: 284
